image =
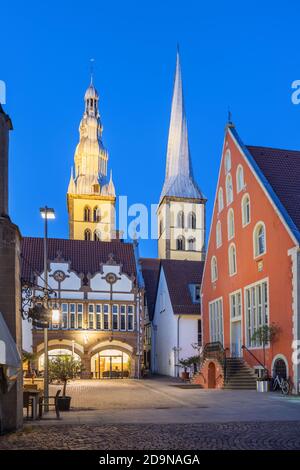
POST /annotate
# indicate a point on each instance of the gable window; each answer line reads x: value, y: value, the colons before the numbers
x: 115, y: 315
x: 123, y: 318
x: 220, y: 200
x: 91, y: 316
x: 180, y: 219
x: 245, y: 210
x: 229, y: 189
x: 192, y: 220
x: 64, y: 309
x: 87, y: 214
x: 72, y: 316
x: 197, y: 294
x: 227, y: 161
x: 105, y: 317
x: 216, y: 321
x: 239, y: 178
x: 192, y: 244
x: 79, y: 315
x: 257, y: 311
x: 232, y: 259
x: 98, y: 316
x: 87, y: 235
x: 180, y: 243
x: 230, y: 224
x: 259, y: 239
x: 213, y: 269
x: 130, y: 319
x: 218, y: 234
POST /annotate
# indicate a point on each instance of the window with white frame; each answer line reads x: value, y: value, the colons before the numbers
x: 214, y: 269
x: 218, y: 234
x: 229, y: 189
x: 64, y: 310
x: 245, y: 210
x: 98, y: 316
x: 236, y: 305
x: 130, y: 318
x: 192, y: 244
x: 91, y: 316
x: 72, y: 316
x: 180, y: 243
x: 122, y: 317
x: 232, y: 259
x: 230, y: 224
x: 180, y: 219
x: 259, y: 239
x: 192, y: 220
x: 220, y: 200
x: 106, y: 317
x: 79, y: 316
x: 115, y: 315
x: 216, y: 321
x: 240, y: 178
x: 256, y: 311
x: 227, y: 161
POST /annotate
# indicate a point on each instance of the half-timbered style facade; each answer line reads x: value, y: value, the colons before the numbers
x: 100, y: 302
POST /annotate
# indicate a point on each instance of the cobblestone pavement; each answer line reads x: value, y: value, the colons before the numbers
x: 270, y: 436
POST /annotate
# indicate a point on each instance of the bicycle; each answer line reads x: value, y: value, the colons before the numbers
x: 284, y: 385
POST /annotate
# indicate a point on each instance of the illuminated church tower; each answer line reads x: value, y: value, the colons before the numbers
x: 181, y: 210
x: 91, y: 196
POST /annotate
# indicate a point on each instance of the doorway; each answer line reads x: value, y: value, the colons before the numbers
x: 211, y: 375
x: 236, y: 338
x: 110, y: 364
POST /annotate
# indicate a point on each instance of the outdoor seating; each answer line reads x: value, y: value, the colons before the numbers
x: 28, y: 404
x: 52, y: 402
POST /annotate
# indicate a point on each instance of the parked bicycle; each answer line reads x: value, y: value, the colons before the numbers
x: 282, y: 384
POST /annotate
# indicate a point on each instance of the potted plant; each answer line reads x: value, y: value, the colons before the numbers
x: 64, y: 368
x: 265, y: 334
x: 185, y: 364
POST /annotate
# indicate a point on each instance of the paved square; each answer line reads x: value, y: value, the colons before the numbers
x: 157, y: 414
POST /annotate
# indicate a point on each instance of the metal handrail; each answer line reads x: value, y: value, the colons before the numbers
x: 257, y: 360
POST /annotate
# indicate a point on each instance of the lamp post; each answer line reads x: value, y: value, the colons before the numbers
x: 46, y: 214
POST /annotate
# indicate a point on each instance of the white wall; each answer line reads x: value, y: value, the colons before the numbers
x: 164, y: 333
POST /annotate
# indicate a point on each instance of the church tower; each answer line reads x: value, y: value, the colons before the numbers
x: 181, y: 210
x: 91, y: 196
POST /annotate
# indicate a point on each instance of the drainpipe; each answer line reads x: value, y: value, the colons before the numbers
x: 178, y: 345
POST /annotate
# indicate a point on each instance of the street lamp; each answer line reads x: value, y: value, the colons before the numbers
x: 47, y: 214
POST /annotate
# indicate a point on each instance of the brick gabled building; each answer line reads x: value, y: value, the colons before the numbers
x: 251, y: 275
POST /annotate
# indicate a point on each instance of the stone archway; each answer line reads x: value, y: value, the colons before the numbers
x: 112, y: 359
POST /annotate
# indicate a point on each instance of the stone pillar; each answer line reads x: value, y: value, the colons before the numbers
x: 86, y: 362
x: 11, y: 403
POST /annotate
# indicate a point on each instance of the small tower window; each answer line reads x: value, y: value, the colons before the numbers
x: 97, y: 236
x: 96, y: 214
x: 180, y: 219
x: 192, y: 244
x: 87, y: 214
x: 180, y: 243
x: 87, y: 235
x: 192, y: 220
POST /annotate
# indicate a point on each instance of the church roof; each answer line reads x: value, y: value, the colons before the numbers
x: 179, y: 179
x: 85, y: 256
x: 150, y: 272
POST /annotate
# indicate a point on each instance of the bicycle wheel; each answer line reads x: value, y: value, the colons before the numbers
x: 285, y: 388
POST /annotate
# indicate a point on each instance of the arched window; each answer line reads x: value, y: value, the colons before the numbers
x: 96, y: 214
x: 214, y: 269
x: 232, y: 259
x: 220, y: 200
x: 229, y: 189
x: 230, y: 224
x: 87, y: 214
x: 192, y: 220
x: 245, y: 210
x: 218, y: 234
x: 180, y: 243
x: 161, y: 227
x: 87, y: 235
x: 180, y: 219
x: 192, y: 244
x: 259, y: 239
x: 97, y: 236
x: 239, y: 178
x: 227, y: 161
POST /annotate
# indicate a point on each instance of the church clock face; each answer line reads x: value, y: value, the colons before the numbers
x: 59, y: 276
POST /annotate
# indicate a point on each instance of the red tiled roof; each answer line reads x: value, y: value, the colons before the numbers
x: 282, y: 170
x: 85, y: 256
x: 150, y: 271
x: 179, y: 275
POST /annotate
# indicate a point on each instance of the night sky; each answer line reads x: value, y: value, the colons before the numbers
x: 244, y: 57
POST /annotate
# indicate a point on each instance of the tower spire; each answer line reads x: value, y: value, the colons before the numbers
x: 179, y: 180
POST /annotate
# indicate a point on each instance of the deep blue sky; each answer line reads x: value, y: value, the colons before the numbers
x: 231, y: 54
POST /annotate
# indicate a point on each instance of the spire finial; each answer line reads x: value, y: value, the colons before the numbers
x: 92, y: 69
x: 229, y: 118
